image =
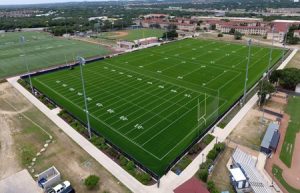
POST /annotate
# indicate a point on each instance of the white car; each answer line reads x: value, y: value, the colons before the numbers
x: 61, y: 188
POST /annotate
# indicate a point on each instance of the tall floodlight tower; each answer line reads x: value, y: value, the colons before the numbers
x: 22, y: 41
x: 271, y: 52
x: 81, y: 61
x: 284, y: 43
x: 247, y: 67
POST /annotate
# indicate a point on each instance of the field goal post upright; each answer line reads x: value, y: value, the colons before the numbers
x: 201, y: 117
x: 82, y: 62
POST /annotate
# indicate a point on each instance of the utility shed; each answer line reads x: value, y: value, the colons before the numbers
x: 271, y: 139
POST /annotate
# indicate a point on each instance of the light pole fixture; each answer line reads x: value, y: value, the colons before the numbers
x: 22, y: 41
x: 82, y: 62
x: 247, y: 67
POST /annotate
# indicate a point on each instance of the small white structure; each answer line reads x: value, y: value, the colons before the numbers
x: 297, y: 90
x: 125, y: 44
x: 238, y: 178
x: 48, y: 178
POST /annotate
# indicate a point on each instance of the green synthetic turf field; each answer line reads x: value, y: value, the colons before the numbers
x: 133, y: 34
x: 40, y: 50
x: 146, y: 102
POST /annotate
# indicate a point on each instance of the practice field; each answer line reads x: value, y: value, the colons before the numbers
x: 40, y: 50
x: 154, y: 102
x: 287, y: 150
x: 133, y: 34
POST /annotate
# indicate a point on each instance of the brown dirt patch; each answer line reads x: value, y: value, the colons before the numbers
x: 119, y: 34
x: 249, y: 131
x: 72, y: 161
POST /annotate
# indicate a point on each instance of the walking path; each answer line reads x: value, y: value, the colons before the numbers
x: 168, y: 182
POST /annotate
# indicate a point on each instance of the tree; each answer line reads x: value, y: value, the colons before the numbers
x: 231, y: 31
x: 288, y: 78
x: 91, y: 181
x: 265, y: 88
x: 170, y: 35
x: 203, y: 174
x: 237, y: 35
x: 213, y: 27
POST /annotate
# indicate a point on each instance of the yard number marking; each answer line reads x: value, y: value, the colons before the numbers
x: 138, y: 126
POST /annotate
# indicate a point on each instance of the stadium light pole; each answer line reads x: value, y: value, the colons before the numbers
x: 22, y: 41
x: 271, y: 52
x: 284, y: 43
x: 81, y: 61
x: 247, y: 67
x: 261, y: 88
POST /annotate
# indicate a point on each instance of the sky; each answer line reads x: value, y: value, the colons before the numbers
x: 18, y: 2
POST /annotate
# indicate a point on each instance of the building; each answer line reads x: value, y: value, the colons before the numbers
x: 193, y: 185
x: 281, y: 27
x: 125, y: 45
x: 247, y: 164
x: 48, y: 178
x: 271, y: 139
x: 146, y: 41
x: 238, y: 179
x: 248, y: 30
x: 297, y: 33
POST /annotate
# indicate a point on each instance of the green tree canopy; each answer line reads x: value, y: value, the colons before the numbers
x: 288, y: 78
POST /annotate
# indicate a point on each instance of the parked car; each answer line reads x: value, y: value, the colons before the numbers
x: 64, y: 187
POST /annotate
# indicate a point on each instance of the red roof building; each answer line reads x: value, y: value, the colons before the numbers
x: 193, y: 185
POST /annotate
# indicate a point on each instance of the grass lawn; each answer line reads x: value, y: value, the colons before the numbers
x: 277, y: 172
x: 133, y: 34
x: 147, y: 102
x: 287, y: 149
x: 39, y: 51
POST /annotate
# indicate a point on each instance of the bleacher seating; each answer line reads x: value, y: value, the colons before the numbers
x: 248, y: 164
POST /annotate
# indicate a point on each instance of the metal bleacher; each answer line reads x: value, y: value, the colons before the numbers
x: 248, y: 164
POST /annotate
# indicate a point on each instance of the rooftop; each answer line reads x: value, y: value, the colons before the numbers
x: 193, y: 185
x: 271, y: 130
x: 237, y: 174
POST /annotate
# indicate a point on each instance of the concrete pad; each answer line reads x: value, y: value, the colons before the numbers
x: 19, y: 182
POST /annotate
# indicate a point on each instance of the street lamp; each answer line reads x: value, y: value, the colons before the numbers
x: 247, y: 67
x: 81, y: 61
x: 22, y: 41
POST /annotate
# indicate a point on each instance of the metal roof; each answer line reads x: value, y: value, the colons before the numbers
x: 267, y: 140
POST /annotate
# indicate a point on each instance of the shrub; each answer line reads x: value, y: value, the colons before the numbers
x: 144, y: 178
x: 210, y: 185
x: 194, y: 149
x: 219, y: 147
x: 91, y: 181
x: 99, y: 142
x: 203, y: 174
x: 130, y: 166
x: 212, y: 154
x: 206, y: 164
x: 123, y: 161
x: 220, y: 35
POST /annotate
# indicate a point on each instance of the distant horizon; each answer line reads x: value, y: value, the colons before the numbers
x: 32, y: 2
